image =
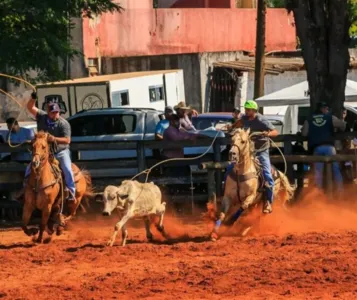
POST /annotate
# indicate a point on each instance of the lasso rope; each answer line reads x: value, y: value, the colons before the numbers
x: 148, y: 171
x: 266, y: 146
x: 19, y: 79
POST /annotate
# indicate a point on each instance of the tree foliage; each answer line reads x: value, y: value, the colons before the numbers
x: 323, y: 30
x: 34, y: 35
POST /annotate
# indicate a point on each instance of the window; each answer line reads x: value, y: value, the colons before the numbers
x: 156, y: 93
x: 103, y: 125
x: 120, y: 98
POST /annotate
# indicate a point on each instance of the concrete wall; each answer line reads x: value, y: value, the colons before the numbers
x: 196, y: 68
x: 147, y: 31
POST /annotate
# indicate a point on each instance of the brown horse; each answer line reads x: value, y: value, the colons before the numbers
x: 243, y: 186
x: 45, y: 189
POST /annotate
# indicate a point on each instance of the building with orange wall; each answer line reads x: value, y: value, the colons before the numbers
x: 185, y: 34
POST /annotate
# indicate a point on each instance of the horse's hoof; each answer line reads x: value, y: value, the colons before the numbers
x: 31, y: 231
x: 60, y: 230
x: 47, y: 240
x: 50, y: 230
x: 150, y: 238
x: 110, y: 243
x: 214, y: 236
x: 162, y: 231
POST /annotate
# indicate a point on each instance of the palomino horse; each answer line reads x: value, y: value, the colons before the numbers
x: 243, y: 185
x: 44, y: 189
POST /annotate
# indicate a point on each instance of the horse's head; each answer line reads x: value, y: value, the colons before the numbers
x: 40, y: 150
x: 241, y: 145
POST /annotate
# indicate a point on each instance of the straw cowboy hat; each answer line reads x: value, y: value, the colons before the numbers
x: 183, y: 106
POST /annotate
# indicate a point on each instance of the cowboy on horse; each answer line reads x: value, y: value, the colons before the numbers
x: 59, y: 133
x: 251, y: 169
x: 258, y: 123
x: 44, y: 188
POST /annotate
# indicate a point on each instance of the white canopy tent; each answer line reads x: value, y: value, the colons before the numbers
x: 298, y: 95
x: 286, y: 102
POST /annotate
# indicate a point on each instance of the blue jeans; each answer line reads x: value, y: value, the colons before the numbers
x: 64, y: 158
x: 264, y: 160
x: 327, y: 150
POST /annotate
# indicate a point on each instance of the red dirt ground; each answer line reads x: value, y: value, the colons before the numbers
x: 309, y: 252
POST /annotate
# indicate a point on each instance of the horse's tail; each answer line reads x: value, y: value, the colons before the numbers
x: 89, y: 193
x: 286, y: 188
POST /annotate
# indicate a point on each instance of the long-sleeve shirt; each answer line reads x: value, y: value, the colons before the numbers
x: 173, y: 134
x: 186, y: 123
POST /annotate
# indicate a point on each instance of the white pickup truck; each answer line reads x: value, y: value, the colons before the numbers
x: 122, y: 124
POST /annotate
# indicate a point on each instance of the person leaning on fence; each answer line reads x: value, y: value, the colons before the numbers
x: 320, y: 129
x: 182, y: 111
x: 19, y: 135
x: 163, y: 124
x: 173, y: 134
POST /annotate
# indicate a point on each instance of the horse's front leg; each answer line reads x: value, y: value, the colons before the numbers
x: 46, y: 212
x: 27, y: 211
x: 226, y: 202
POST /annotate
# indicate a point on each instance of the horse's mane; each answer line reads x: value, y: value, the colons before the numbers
x: 40, y: 135
x: 251, y: 149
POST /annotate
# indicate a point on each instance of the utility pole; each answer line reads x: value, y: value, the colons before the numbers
x: 260, y: 50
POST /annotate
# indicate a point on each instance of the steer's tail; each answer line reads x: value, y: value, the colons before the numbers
x: 286, y: 189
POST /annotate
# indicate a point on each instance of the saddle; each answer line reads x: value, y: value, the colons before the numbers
x: 57, y: 171
x: 261, y: 182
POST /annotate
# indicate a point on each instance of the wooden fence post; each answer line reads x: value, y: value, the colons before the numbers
x: 211, y: 187
x: 288, y: 150
x: 140, y: 148
x: 217, y: 158
x: 329, y: 179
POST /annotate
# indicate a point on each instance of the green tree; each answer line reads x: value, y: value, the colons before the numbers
x: 322, y: 27
x: 35, y: 35
x: 276, y: 3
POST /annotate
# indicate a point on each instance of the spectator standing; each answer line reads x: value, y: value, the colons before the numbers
x: 183, y: 111
x: 320, y: 129
x: 163, y: 124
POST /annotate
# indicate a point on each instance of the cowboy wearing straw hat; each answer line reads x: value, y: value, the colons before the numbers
x: 182, y: 111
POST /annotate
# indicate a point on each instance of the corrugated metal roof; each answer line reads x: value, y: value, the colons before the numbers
x: 273, y: 65
x: 106, y: 78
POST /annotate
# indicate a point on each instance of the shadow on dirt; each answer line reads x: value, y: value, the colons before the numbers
x: 183, y: 239
x: 75, y: 249
x: 173, y: 241
x: 16, y: 246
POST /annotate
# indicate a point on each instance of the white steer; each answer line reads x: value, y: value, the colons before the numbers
x: 134, y: 199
